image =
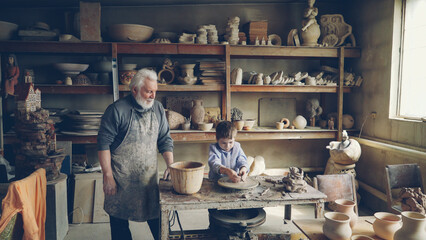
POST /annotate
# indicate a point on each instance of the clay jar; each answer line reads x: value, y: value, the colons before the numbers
x: 347, y: 207
x: 336, y: 226
x: 197, y: 112
x: 413, y: 227
x: 386, y: 224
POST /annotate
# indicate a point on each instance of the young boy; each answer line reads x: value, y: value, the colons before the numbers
x: 226, y: 157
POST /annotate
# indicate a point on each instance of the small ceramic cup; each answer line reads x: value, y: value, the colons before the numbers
x: 279, y: 125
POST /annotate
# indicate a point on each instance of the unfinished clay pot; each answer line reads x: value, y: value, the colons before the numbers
x: 413, y: 226
x: 386, y: 224
x: 336, y: 226
x: 347, y: 207
x: 187, y: 177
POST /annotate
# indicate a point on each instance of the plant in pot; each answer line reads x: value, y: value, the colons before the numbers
x: 237, y: 118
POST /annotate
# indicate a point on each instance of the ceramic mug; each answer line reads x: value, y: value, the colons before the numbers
x: 279, y: 125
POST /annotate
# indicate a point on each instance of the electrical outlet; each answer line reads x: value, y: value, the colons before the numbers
x: 373, y: 115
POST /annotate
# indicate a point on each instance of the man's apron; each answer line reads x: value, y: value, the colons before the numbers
x: 134, y: 166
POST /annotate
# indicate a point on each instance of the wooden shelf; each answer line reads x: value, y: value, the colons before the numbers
x: 175, y: 49
x: 170, y: 48
x: 64, y: 89
x: 291, y: 52
x: 182, y: 88
x: 55, y: 47
x: 287, y: 88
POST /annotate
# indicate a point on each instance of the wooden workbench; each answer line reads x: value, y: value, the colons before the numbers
x: 312, y: 228
x: 212, y: 196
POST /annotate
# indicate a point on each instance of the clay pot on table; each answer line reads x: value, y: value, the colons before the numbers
x: 336, y: 226
x: 347, y: 207
x: 413, y: 226
x: 386, y: 224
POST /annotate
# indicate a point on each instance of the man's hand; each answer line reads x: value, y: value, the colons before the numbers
x: 166, y: 175
x: 243, y: 174
x: 110, y: 187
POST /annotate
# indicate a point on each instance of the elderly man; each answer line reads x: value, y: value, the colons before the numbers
x: 131, y: 130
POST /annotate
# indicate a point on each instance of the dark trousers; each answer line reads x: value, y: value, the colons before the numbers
x: 120, y: 228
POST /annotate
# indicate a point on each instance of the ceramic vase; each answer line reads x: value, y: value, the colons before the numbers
x: 386, y: 224
x: 311, y: 35
x: 413, y: 227
x: 187, y: 74
x: 197, y: 112
x: 336, y: 226
x: 347, y: 207
x: 300, y: 122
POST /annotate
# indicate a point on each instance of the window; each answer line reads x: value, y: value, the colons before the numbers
x: 411, y: 89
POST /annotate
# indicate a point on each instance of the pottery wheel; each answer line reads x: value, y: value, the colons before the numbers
x: 247, y: 184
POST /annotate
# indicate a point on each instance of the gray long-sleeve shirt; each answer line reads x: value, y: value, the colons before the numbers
x: 116, y: 121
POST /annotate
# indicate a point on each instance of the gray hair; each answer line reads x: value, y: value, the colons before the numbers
x: 138, y: 80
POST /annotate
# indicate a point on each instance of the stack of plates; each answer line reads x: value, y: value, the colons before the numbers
x: 82, y: 123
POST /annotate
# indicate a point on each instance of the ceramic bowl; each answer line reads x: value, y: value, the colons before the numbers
x: 205, y: 126
x: 248, y: 124
x: 130, y: 32
x: 71, y: 68
x: 7, y: 30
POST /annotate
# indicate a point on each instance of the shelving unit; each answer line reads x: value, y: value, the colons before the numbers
x: 226, y: 52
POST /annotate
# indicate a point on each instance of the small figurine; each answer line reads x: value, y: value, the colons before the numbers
x: 11, y: 75
x: 331, y: 123
x: 29, y: 76
x: 294, y: 181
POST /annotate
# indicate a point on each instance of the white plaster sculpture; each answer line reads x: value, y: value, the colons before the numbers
x: 202, y: 35
x: 313, y: 110
x: 334, y: 26
x: 347, y: 152
x: 310, y: 28
x: 266, y: 80
x: 237, y: 76
x: 187, y: 38
x: 232, y: 30
x: 259, y: 79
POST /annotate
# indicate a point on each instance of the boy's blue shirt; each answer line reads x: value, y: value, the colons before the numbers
x: 234, y: 159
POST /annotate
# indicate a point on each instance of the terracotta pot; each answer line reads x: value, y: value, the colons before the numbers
x: 239, y: 124
x: 347, y: 207
x: 336, y: 226
x: 386, y: 224
x: 197, y: 112
x: 187, y: 177
x: 413, y: 227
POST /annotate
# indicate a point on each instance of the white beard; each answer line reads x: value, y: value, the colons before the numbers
x: 145, y: 103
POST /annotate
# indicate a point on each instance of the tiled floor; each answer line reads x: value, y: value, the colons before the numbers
x: 197, y: 219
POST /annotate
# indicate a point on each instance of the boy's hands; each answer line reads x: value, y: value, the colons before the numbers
x: 243, y: 174
x: 233, y: 176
